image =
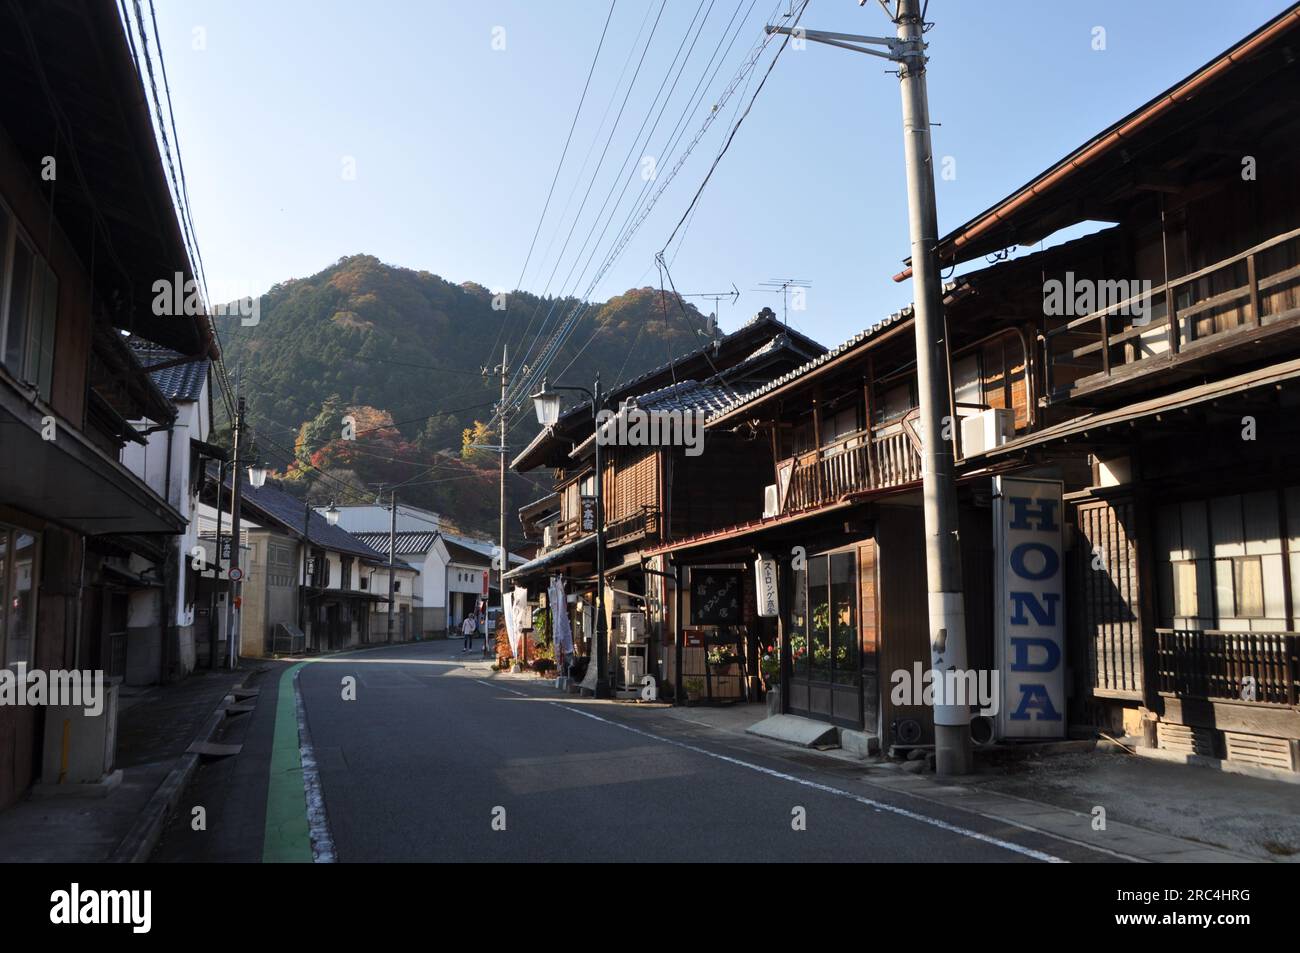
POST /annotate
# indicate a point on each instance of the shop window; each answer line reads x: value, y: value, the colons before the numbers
x: 825, y: 647
x: 845, y: 664
x: 799, y: 624
x: 819, y: 620
x: 18, y: 591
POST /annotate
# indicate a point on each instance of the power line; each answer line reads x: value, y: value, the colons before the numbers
x: 560, y: 165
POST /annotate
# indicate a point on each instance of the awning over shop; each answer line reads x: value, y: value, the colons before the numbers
x: 69, y: 480
x: 555, y: 558
x: 1277, y: 375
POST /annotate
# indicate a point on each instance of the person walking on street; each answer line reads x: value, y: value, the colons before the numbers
x: 468, y: 628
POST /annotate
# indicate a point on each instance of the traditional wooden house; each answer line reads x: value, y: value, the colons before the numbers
x: 1141, y: 380
x: 1165, y: 351
x: 87, y: 226
x: 653, y: 492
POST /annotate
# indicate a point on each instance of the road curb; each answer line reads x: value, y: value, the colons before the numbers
x: 142, y: 837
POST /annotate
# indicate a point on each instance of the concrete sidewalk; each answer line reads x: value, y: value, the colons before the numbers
x: 156, y: 726
x: 1154, y: 812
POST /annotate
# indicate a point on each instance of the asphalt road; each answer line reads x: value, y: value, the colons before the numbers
x: 434, y: 760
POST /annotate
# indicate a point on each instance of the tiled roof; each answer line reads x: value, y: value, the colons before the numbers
x: 178, y: 382
x: 409, y: 543
x: 782, y: 334
x: 686, y: 395
x: 288, y: 511
x: 853, y: 342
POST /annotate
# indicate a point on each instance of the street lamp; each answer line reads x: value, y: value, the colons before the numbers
x: 332, y: 514
x: 257, y: 475
x: 546, y: 402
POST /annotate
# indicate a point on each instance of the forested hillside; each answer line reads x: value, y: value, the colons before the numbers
x: 393, y: 357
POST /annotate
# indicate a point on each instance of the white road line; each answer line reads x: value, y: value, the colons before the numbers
x: 878, y: 805
x: 322, y: 843
x: 502, y: 687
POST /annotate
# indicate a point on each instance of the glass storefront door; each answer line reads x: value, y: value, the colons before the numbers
x: 824, y: 646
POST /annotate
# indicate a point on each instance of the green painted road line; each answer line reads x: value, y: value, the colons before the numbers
x: 287, y: 839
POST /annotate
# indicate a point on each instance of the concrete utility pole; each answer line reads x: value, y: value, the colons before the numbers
x: 947, y: 613
x: 505, y: 558
x: 232, y: 611
x: 392, y: 547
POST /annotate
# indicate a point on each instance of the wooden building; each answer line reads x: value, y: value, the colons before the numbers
x: 87, y: 226
x: 652, y: 493
x: 1148, y: 368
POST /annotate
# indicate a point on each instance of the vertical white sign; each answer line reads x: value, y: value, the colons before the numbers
x: 1030, y: 613
x: 765, y: 586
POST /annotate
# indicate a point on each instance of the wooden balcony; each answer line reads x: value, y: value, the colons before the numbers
x: 1232, y: 311
x: 643, y: 524
x: 1209, y: 664
x: 853, y: 464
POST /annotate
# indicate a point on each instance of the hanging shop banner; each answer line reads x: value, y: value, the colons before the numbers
x: 588, y: 514
x: 560, y: 631
x: 765, y: 586
x: 1030, y: 552
x: 715, y: 596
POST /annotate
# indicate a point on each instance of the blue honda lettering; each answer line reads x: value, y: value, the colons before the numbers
x: 1023, y: 511
x: 1043, y: 614
x: 1021, y: 649
x: 1051, y: 561
x: 1035, y: 698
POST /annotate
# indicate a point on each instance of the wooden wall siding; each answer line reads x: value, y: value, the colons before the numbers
x: 904, y: 627
x: 721, y: 487
x: 1004, y: 384
x: 869, y: 635
x: 1109, y: 613
x: 632, y: 482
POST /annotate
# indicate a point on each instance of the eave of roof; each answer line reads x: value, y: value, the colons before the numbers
x: 950, y: 245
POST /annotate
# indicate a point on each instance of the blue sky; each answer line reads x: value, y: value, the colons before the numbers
x: 454, y: 143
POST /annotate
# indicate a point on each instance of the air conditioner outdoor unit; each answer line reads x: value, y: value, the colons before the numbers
x: 771, y: 501
x: 632, y: 626
x: 986, y: 430
x: 633, y: 670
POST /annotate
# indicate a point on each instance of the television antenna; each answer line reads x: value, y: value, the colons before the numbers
x: 782, y: 286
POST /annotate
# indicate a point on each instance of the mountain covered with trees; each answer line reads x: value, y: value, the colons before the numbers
x: 368, y: 376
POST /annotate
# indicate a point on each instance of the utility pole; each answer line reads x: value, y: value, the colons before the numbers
x: 232, y: 611
x: 392, y: 547
x: 505, y: 558
x: 947, y: 613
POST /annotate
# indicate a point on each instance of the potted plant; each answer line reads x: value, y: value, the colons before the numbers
x: 694, y: 689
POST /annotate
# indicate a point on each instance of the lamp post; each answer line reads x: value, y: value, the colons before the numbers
x: 547, y: 404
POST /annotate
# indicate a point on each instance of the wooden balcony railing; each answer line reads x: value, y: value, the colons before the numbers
x: 640, y: 525
x: 853, y: 464
x: 1195, y: 312
x: 1204, y: 663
